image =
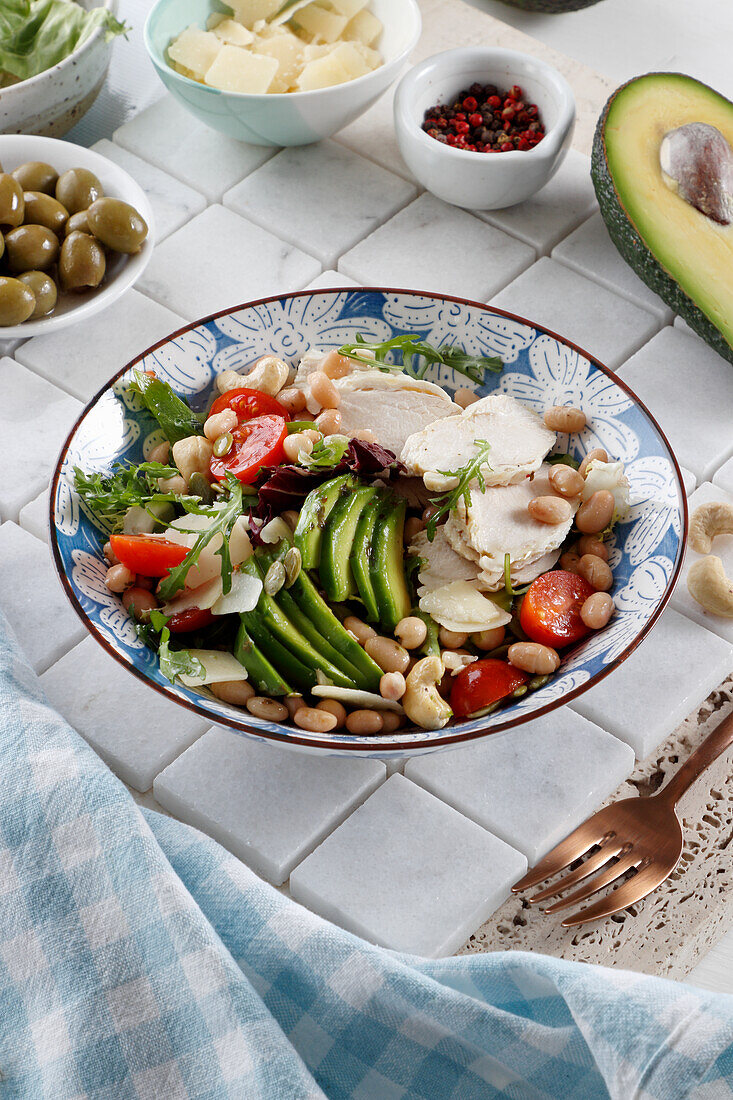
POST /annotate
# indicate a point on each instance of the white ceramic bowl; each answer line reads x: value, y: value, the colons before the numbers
x: 292, y: 118
x: 483, y: 181
x: 122, y: 271
x: 54, y: 101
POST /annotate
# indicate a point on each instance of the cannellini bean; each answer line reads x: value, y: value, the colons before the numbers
x: 292, y: 399
x: 361, y: 631
x: 413, y: 526
x: 295, y: 445
x: 161, y: 453
x: 428, y: 513
x: 110, y: 554
x: 570, y: 560
x: 365, y: 435
x: 147, y: 583
x: 566, y: 481
x: 486, y: 640
x: 465, y: 397
x: 329, y: 421
x: 597, y: 455
x: 589, y: 544
x: 118, y: 578
x: 312, y: 435
x: 596, y: 571
x: 596, y: 513
x: 388, y: 654
x: 411, y: 632
x: 597, y: 610
x: 139, y: 601
x: 174, y: 484
x: 392, y: 685
x: 338, y: 710
x: 391, y: 721
x: 364, y: 722
x: 236, y: 692
x: 565, y: 418
x: 532, y: 657
x: 315, y: 720
x: 451, y: 639
x: 550, y: 510
x: 270, y: 709
x: 192, y: 455
x: 334, y: 365
x: 323, y: 390
x: 294, y: 703
x: 220, y: 423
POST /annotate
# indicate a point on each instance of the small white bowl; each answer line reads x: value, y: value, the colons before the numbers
x: 122, y: 271
x: 483, y: 181
x: 291, y: 118
x: 54, y: 101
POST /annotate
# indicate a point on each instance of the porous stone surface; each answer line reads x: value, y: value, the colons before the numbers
x: 668, y: 931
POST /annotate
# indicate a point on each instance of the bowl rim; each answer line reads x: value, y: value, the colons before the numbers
x: 112, y: 6
x: 268, y: 97
x: 291, y: 738
x: 565, y: 100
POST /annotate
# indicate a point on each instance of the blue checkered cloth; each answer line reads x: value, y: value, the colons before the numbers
x: 138, y: 959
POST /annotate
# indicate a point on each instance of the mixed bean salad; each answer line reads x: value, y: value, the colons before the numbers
x: 348, y: 545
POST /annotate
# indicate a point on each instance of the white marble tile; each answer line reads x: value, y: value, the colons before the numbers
x: 347, y: 197
x: 408, y: 872
x: 33, y: 600
x: 174, y: 203
x: 689, y: 480
x: 722, y: 548
x: 601, y: 323
x: 329, y: 279
x: 665, y: 679
x: 84, y: 356
x: 723, y: 477
x: 689, y: 389
x: 34, y: 517
x: 268, y: 805
x: 435, y: 247
x: 35, y: 418
x: 532, y: 786
x: 372, y: 135
x: 591, y: 252
x: 135, y: 730
x: 558, y: 208
x: 170, y: 137
x: 250, y: 263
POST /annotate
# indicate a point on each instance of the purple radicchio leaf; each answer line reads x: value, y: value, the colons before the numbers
x: 371, y: 458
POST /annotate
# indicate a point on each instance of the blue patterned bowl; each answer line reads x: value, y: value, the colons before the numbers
x: 540, y: 370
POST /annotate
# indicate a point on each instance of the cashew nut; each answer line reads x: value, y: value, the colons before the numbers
x: 422, y: 702
x: 709, y: 520
x: 709, y: 585
x: 192, y: 455
x: 268, y: 375
x: 229, y: 380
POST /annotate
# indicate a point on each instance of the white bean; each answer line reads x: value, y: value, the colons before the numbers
x: 220, y: 423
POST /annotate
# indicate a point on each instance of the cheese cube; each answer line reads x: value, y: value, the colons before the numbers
x: 342, y: 64
x: 238, y: 70
x: 364, y: 27
x: 233, y: 33
x: 195, y: 50
x: 248, y: 12
x: 325, y: 26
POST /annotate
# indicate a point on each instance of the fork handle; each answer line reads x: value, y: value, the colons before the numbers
x: 712, y: 747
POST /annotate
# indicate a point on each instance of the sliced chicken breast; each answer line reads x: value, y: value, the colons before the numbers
x: 442, y: 564
x: 522, y: 572
x: 392, y: 406
x: 518, y: 437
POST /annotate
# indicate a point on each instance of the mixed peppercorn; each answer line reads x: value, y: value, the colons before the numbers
x: 484, y: 120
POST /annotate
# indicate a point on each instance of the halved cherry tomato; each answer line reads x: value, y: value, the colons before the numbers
x: 193, y: 618
x: 248, y: 404
x: 550, y: 612
x: 482, y: 683
x: 153, y: 557
x: 257, y: 443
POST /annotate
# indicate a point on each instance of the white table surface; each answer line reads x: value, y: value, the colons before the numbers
x: 562, y: 243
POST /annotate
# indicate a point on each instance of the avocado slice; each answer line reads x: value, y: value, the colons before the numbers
x: 338, y: 539
x: 262, y: 674
x: 681, y: 253
x: 387, y: 564
x: 301, y: 676
x: 316, y: 509
x: 308, y: 630
x: 360, y: 558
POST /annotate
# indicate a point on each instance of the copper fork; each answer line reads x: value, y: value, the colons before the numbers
x: 643, y: 835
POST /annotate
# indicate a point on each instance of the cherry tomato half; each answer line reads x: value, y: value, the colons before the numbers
x: 248, y: 404
x: 550, y: 611
x: 193, y: 618
x: 153, y: 557
x: 257, y: 443
x: 482, y: 683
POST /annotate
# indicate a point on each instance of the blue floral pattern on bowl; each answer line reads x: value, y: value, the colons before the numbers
x: 540, y: 370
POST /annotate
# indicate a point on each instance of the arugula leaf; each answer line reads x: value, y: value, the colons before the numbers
x: 37, y: 34
x: 172, y: 413
x: 177, y: 662
x: 325, y: 453
x: 508, y: 579
x: 465, y: 474
x: 110, y: 495
x: 223, y: 519
x: 410, y: 345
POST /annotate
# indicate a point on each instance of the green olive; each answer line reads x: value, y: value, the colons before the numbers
x: 78, y: 222
x: 82, y: 263
x: 117, y: 225
x: 17, y: 302
x: 41, y: 209
x: 31, y: 248
x: 77, y: 189
x: 36, y: 176
x: 44, y: 290
x: 12, y: 207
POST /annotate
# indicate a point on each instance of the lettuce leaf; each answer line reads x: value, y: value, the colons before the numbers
x: 37, y: 34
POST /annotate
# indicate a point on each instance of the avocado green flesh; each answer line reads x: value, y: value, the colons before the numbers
x: 281, y: 627
x: 316, y: 509
x: 681, y: 254
x: 360, y: 558
x: 300, y: 675
x: 262, y: 674
x: 338, y: 538
x: 387, y: 565
x: 309, y: 631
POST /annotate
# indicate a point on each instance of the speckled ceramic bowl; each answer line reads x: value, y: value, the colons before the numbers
x: 54, y: 101
x: 540, y: 370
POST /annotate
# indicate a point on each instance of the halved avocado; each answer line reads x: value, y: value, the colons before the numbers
x: 682, y: 254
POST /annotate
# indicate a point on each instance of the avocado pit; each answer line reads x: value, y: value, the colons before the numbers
x: 697, y: 163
